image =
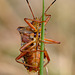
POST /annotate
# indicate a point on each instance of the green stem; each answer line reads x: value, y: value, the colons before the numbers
x: 42, y: 44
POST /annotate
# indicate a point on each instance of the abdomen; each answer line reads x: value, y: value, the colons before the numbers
x: 33, y: 59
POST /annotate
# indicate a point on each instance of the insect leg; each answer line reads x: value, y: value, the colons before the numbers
x: 47, y: 56
x: 29, y: 49
x: 48, y: 18
x: 53, y: 41
x: 25, y: 46
x: 50, y: 41
x: 25, y: 19
x: 34, y: 20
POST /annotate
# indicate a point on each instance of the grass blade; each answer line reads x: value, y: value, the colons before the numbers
x: 42, y: 44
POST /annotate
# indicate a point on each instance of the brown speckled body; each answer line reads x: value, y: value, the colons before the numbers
x: 31, y: 58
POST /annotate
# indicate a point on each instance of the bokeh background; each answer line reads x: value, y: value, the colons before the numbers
x: 61, y: 27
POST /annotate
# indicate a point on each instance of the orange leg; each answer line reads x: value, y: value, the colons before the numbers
x: 26, y: 45
x: 25, y: 19
x: 29, y: 49
x: 48, y: 18
x: 32, y: 51
x: 46, y: 21
x: 34, y: 20
x: 50, y: 41
x: 30, y: 24
x: 47, y: 56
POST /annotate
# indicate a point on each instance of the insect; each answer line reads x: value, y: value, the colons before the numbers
x: 30, y: 42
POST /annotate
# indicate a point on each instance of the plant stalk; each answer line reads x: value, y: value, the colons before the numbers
x: 42, y: 44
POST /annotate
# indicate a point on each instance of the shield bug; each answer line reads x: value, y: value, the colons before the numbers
x: 30, y: 42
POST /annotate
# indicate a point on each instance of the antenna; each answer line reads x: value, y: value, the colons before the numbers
x: 30, y: 8
x: 50, y: 6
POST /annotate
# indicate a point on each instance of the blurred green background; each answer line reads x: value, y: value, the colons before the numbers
x: 61, y: 27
